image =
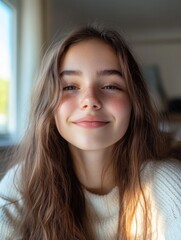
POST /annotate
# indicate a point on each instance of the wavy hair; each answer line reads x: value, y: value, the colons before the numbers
x: 53, y: 200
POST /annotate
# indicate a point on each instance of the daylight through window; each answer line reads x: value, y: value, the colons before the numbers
x: 7, y: 105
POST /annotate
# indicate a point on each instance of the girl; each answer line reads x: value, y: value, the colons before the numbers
x: 92, y: 164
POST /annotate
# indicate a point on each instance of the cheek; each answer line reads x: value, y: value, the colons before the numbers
x: 58, y: 119
x: 63, y: 113
x: 121, y: 106
x: 66, y: 107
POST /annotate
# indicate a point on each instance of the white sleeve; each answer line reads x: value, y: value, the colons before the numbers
x: 8, y: 189
x: 166, y: 189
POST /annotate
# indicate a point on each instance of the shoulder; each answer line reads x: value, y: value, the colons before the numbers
x: 164, y: 171
x: 10, y: 201
x: 163, y: 179
x: 9, y: 185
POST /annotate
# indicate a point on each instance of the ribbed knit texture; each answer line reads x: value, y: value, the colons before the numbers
x: 103, y: 214
x: 162, y: 184
x: 165, y: 189
x: 8, y: 188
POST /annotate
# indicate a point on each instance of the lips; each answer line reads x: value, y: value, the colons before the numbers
x: 91, y: 122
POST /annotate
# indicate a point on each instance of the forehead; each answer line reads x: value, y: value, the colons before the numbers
x: 94, y: 52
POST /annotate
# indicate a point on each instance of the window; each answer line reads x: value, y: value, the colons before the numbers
x: 7, y: 72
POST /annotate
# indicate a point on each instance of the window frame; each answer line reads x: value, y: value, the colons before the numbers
x: 9, y: 138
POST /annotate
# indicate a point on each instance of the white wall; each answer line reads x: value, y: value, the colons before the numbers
x: 150, y: 48
x: 164, y: 51
x: 30, y: 38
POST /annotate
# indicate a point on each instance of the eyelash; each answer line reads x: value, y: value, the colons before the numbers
x: 70, y: 88
x: 111, y: 87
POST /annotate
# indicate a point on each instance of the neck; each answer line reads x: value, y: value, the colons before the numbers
x: 94, y: 169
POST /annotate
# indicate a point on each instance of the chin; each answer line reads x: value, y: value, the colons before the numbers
x: 92, y: 146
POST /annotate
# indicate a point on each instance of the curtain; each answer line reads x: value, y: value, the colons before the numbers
x: 31, y: 35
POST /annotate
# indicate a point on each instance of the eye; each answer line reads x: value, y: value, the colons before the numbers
x: 112, y: 87
x: 70, y: 88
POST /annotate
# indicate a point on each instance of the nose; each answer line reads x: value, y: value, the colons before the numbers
x: 90, y: 101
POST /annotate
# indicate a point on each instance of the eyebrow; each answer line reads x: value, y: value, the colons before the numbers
x: 70, y: 72
x: 110, y: 72
x: 107, y: 72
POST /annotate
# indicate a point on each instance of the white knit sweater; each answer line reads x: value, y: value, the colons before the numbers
x: 162, y: 184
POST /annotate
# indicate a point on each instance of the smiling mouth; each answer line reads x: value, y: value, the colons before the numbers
x: 90, y: 124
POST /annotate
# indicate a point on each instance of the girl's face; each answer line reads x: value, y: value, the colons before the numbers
x: 94, y: 110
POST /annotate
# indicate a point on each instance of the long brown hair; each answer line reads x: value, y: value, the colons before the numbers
x: 53, y: 200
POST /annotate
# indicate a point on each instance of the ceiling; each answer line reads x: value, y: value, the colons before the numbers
x: 129, y: 15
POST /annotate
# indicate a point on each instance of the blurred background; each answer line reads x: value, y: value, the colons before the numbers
x: 27, y: 27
